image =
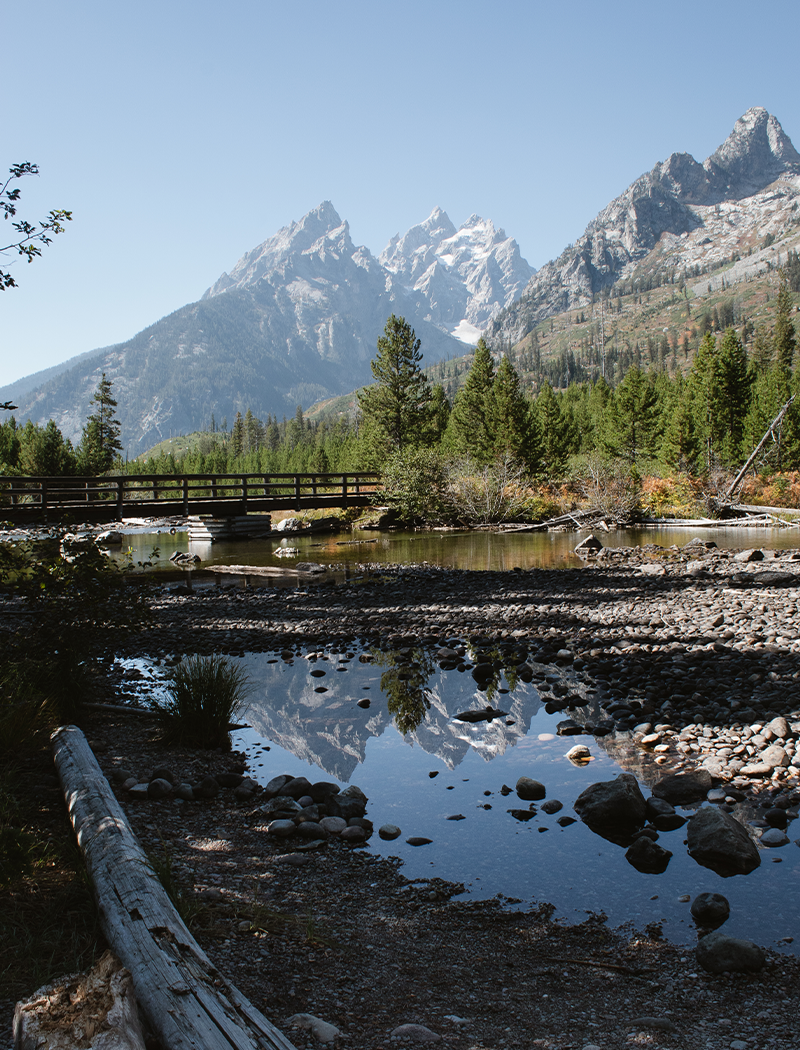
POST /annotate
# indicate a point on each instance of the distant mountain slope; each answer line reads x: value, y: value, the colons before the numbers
x: 679, y: 215
x: 296, y: 320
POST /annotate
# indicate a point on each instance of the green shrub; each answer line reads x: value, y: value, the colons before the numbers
x: 205, y: 694
x: 415, y: 481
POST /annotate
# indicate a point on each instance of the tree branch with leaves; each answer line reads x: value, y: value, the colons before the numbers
x: 29, y: 237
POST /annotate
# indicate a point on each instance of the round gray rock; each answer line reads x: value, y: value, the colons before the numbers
x: 710, y: 909
x: 530, y: 790
x: 719, y: 953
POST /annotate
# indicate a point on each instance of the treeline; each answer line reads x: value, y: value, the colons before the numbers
x: 289, y: 446
x: 44, y: 451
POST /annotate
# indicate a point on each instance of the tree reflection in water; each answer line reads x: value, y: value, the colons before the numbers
x: 404, y: 684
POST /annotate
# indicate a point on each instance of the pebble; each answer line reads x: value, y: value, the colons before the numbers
x: 416, y: 1033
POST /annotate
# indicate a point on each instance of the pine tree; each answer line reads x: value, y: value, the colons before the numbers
x: 733, y: 398
x: 395, y: 408
x: 552, y: 432
x: 631, y: 429
x: 679, y: 448
x: 471, y: 429
x: 237, y: 436
x: 513, y: 424
x: 439, y: 413
x: 100, y: 443
x: 784, y: 340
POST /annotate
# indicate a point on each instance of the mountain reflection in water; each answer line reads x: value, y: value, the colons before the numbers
x: 406, y: 689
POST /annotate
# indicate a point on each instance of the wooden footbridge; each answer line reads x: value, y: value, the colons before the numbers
x: 31, y: 500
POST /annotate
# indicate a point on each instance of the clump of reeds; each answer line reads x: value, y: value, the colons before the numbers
x: 205, y: 694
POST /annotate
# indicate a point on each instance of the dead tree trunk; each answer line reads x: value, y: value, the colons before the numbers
x: 185, y: 999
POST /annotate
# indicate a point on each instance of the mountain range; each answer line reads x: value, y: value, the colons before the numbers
x: 297, y: 318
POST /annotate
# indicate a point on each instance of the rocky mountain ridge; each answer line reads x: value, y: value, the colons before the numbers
x: 673, y: 218
x: 296, y: 320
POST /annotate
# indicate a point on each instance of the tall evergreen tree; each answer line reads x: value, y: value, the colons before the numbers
x: 734, y: 398
x: 784, y: 340
x: 513, y: 422
x: 552, y: 432
x: 631, y: 429
x: 679, y: 447
x: 237, y: 436
x: 471, y: 428
x: 100, y: 443
x: 395, y: 408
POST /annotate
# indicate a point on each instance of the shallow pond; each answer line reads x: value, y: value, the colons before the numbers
x: 305, y: 719
x: 438, y: 767
x: 344, y: 552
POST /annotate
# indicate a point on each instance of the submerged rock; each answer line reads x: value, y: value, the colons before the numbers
x: 647, y: 856
x: 710, y: 909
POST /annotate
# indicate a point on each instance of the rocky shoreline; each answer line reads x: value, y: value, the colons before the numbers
x: 691, y: 654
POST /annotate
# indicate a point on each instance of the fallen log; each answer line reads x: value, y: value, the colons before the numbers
x: 187, y: 1002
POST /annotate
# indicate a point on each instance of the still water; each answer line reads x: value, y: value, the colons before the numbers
x: 461, y: 550
x: 421, y: 767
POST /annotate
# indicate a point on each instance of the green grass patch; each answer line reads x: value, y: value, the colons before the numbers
x: 205, y: 695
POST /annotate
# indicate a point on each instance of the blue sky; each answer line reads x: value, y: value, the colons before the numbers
x: 182, y: 133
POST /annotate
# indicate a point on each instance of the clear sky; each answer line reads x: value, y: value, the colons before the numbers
x: 182, y: 133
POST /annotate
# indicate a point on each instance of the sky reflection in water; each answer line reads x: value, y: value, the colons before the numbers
x: 326, y: 735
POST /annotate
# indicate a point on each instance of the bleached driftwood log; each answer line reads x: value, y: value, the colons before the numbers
x: 188, y: 1003
x: 96, y: 1010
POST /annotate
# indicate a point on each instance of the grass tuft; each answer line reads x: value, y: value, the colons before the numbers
x: 205, y: 694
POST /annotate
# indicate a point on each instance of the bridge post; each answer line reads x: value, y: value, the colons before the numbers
x: 297, y: 490
x: 344, y: 490
x: 120, y: 495
x: 185, y: 495
x: 244, y: 493
x: 43, y: 496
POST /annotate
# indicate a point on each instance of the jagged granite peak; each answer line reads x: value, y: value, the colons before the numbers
x: 320, y: 227
x: 757, y: 149
x: 673, y: 209
x: 467, y: 274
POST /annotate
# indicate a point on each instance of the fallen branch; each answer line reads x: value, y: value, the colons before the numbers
x: 186, y: 1000
x: 634, y: 971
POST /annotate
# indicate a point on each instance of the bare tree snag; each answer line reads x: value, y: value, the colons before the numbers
x: 185, y: 999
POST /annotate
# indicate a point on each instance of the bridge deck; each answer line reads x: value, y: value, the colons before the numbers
x: 51, y: 500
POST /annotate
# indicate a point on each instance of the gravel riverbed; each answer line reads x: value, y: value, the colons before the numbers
x: 696, y: 653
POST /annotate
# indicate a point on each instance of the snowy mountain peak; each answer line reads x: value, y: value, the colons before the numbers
x: 467, y: 275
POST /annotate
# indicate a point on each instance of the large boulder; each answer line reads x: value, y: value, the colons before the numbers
x: 718, y: 841
x: 612, y: 803
x: 719, y: 953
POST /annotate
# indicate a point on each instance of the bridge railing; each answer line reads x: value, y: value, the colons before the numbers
x: 129, y: 493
